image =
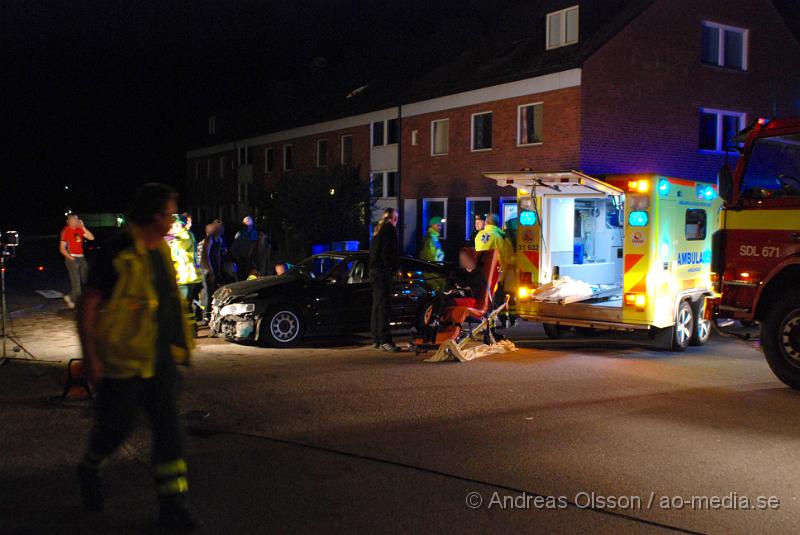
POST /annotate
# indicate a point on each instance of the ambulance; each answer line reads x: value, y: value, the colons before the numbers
x: 625, y: 252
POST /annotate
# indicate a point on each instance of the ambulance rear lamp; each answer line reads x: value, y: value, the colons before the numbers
x: 663, y: 186
x: 639, y: 186
x: 637, y: 300
x: 638, y: 202
x: 638, y: 219
x: 523, y: 292
x: 527, y: 218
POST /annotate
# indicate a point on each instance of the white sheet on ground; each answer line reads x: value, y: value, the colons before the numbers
x: 450, y: 351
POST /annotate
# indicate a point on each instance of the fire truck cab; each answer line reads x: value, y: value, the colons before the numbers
x: 756, y: 252
x: 625, y: 252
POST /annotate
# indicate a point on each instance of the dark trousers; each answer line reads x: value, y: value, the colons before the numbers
x: 381, y: 309
x: 117, y: 406
x: 209, y: 287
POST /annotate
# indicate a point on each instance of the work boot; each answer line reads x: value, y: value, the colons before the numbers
x: 91, y: 488
x: 391, y: 348
x: 176, y: 515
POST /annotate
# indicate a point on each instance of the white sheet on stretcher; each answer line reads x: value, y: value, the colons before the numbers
x: 563, y: 288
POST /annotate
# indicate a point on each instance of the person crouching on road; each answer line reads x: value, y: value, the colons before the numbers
x: 133, y: 333
x: 71, y: 248
x: 182, y: 248
x: 382, y: 268
x: 431, y: 246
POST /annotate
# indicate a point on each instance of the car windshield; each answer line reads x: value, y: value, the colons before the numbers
x: 317, y: 267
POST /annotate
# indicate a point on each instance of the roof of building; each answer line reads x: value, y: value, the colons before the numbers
x: 511, y: 47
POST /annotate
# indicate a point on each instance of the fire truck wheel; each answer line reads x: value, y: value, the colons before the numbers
x: 780, y: 338
x: 702, y: 326
x: 553, y: 331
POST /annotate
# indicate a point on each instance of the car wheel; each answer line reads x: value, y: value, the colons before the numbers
x: 553, y: 331
x: 282, y: 326
x: 780, y: 339
x: 702, y: 326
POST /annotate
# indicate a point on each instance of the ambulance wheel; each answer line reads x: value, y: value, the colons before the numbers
x: 282, y: 326
x: 553, y: 331
x: 677, y: 337
x: 702, y: 326
x: 780, y: 339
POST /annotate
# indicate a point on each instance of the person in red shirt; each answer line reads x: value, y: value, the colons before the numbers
x: 71, y: 248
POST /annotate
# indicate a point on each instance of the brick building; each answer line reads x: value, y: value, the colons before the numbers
x: 605, y: 86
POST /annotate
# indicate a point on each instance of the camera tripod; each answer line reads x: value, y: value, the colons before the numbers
x: 5, y: 335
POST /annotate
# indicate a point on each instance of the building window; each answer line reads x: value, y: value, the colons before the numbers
x: 717, y: 127
x: 245, y: 155
x: 415, y: 137
x: 197, y: 170
x: 322, y: 152
x: 440, y: 137
x: 384, y: 184
x: 482, y: 131
x: 529, y: 124
x: 222, y: 167
x: 695, y: 227
x: 562, y: 27
x: 385, y: 132
x: 347, y: 149
x: 288, y: 158
x: 392, y: 131
x: 432, y: 208
x: 269, y: 160
x: 476, y: 206
x: 724, y: 46
x: 212, y: 125
x: 378, y: 132
x: 208, y: 170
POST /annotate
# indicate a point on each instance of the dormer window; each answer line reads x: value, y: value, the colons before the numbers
x: 562, y: 27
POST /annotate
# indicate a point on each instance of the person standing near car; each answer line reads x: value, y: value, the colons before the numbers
x: 382, y: 268
x: 431, y: 246
x: 183, y: 250
x: 243, y: 248
x: 71, y: 248
x: 133, y: 333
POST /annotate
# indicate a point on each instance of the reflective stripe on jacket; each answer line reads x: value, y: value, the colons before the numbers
x: 128, y: 326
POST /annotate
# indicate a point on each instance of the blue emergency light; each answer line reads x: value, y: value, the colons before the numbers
x: 663, y: 186
x: 706, y: 192
x: 527, y: 218
x: 638, y: 218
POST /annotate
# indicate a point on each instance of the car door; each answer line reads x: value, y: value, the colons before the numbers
x: 413, y: 286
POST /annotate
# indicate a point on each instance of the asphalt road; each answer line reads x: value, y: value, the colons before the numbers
x: 338, y: 437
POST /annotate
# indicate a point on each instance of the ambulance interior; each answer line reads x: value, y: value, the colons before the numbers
x: 581, y: 244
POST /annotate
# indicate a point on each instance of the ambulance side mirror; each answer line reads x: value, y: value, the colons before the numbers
x: 725, y: 183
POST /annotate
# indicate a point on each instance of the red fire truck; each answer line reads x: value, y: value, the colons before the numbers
x: 756, y: 252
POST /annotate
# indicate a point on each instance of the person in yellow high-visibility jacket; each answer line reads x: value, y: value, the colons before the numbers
x: 492, y: 237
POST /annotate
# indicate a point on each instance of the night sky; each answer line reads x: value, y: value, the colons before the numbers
x: 99, y: 94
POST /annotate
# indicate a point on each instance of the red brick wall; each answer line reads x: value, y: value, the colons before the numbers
x: 642, y: 91
x: 457, y: 175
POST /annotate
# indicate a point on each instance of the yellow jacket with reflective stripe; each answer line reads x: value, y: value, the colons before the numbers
x: 491, y: 237
x: 183, y: 250
x: 127, y: 326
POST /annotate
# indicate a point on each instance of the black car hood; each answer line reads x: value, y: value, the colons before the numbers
x: 238, y: 289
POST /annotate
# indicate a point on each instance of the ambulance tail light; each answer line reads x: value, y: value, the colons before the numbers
x: 636, y: 300
x: 638, y: 186
x: 523, y: 293
x: 638, y: 218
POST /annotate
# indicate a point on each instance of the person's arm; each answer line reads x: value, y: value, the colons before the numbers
x: 86, y: 232
x: 88, y: 313
x: 62, y: 248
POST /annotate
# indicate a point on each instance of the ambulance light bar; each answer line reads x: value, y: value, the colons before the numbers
x: 639, y: 186
x: 638, y: 219
x: 663, y: 186
x: 706, y: 192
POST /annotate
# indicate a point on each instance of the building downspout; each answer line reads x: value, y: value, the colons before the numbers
x: 400, y: 210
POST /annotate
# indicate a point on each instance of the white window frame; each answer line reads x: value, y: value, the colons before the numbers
x: 469, y: 225
x: 519, y: 124
x: 719, y: 113
x: 268, y: 150
x: 285, y: 147
x: 243, y: 150
x: 472, y: 131
x: 501, y: 208
x: 384, y: 183
x: 212, y: 125
x: 319, y: 152
x: 372, y: 134
x: 562, y: 30
x: 721, y: 44
x: 341, y: 148
x: 414, y: 138
x: 426, y: 217
x: 433, y: 137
